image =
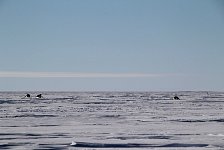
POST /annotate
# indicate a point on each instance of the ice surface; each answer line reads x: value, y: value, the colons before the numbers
x: 112, y: 120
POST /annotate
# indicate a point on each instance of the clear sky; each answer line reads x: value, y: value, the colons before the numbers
x: 117, y: 45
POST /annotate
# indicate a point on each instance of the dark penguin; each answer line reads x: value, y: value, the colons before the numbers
x: 39, y: 96
x: 28, y: 95
x: 176, y: 98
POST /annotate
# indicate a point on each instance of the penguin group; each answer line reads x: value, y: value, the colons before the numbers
x: 29, y: 96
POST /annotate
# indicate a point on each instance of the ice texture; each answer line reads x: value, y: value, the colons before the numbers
x: 112, y: 120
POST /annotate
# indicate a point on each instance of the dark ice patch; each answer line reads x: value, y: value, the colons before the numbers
x: 142, y: 137
x: 202, y: 120
x: 100, y: 103
x: 29, y: 115
x: 134, y: 145
x: 184, y: 145
x: 12, y: 101
x: 11, y: 145
x: 110, y: 116
x: 46, y: 125
x: 63, y: 146
x: 183, y: 120
x: 11, y: 136
x: 217, y: 120
x: 104, y: 145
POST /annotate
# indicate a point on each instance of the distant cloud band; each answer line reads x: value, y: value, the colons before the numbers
x: 8, y: 74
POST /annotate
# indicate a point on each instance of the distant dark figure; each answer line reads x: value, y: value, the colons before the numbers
x: 208, y: 93
x: 39, y: 96
x: 176, y: 98
x: 28, y: 95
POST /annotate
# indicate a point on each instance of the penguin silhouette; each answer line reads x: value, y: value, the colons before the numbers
x: 39, y: 96
x: 28, y: 95
x: 176, y: 98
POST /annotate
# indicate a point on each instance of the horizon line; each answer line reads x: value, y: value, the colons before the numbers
x: 30, y: 74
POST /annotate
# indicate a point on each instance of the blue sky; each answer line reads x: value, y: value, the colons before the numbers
x: 118, y: 45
